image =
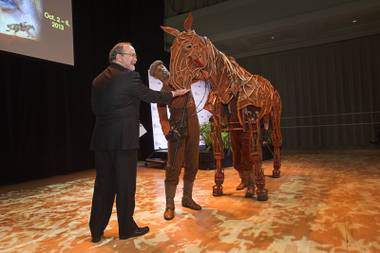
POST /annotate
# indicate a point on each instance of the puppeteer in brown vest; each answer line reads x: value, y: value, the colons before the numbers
x: 182, y: 133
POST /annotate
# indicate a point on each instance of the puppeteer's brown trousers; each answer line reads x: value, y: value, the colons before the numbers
x: 184, y: 153
x: 241, y: 158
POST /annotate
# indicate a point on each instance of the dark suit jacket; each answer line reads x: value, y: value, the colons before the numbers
x: 116, y: 95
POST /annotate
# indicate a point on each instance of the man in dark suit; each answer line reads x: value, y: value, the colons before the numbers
x: 116, y: 96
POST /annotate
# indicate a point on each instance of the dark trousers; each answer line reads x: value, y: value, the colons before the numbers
x: 115, y: 175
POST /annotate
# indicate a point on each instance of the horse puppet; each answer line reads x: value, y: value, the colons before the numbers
x: 239, y: 102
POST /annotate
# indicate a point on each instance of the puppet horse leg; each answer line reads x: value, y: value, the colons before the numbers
x: 261, y: 192
x: 246, y: 164
x: 217, y: 144
x: 276, y: 136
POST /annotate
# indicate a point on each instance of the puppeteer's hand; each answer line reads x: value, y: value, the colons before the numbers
x: 180, y: 92
x: 165, y: 126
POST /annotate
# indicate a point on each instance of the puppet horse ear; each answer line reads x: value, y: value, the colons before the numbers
x: 188, y: 22
x: 170, y: 30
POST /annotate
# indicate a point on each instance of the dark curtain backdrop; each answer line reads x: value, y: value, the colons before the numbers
x: 330, y: 93
x: 45, y: 106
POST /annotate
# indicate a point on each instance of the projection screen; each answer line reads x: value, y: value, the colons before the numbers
x: 37, y: 28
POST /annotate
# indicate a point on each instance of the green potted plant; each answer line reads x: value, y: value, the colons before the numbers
x: 205, y: 132
x: 267, y: 145
x: 206, y: 155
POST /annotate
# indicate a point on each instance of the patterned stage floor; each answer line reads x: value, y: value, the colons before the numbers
x: 324, y: 202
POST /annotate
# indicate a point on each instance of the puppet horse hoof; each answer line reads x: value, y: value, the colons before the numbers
x: 217, y: 190
x: 276, y: 173
x: 262, y: 195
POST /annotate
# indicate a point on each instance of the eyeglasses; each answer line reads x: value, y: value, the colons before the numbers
x: 130, y: 54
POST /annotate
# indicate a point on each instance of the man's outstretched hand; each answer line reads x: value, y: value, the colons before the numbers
x: 180, y: 92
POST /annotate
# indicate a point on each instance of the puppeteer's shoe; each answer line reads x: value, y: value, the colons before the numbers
x: 250, y: 191
x: 169, y: 213
x: 241, y: 186
x: 190, y: 203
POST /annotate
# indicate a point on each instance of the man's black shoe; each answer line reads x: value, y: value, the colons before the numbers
x: 137, y: 232
x: 96, y: 238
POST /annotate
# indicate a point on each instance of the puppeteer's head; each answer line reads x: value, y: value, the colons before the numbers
x: 158, y: 70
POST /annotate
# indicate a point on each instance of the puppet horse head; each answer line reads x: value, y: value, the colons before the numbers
x: 189, y: 56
